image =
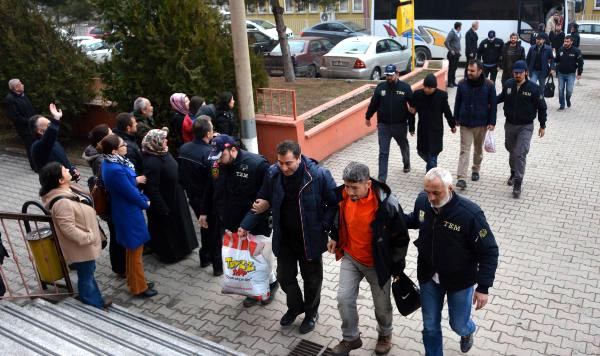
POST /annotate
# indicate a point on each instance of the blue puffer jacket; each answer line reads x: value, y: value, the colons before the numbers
x: 317, y: 206
x: 475, y: 103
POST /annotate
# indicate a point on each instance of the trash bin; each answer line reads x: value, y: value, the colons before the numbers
x: 43, y: 249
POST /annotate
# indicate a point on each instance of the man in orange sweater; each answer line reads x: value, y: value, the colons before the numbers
x: 371, y: 238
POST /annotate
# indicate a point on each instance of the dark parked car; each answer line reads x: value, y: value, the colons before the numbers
x: 306, y: 55
x: 334, y: 31
x: 259, y: 42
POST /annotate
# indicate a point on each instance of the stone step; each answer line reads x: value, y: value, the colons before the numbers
x: 37, y: 335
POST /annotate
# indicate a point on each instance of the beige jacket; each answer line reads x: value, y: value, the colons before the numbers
x: 76, y: 225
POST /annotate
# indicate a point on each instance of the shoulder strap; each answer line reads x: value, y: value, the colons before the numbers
x: 55, y: 199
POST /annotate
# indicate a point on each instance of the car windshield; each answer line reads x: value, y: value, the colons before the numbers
x: 93, y: 46
x: 351, y: 47
x: 295, y: 47
x: 354, y: 27
x: 265, y: 24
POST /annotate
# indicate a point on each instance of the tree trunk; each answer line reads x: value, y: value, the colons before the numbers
x: 288, y: 68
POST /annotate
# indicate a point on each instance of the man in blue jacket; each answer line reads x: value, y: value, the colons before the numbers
x: 456, y: 250
x: 301, y: 196
x: 475, y: 113
x: 46, y: 147
x: 539, y: 60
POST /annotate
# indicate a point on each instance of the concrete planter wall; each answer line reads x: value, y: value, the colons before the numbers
x: 333, y: 134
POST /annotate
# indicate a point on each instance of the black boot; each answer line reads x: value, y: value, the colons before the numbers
x: 517, y: 188
x: 511, y: 179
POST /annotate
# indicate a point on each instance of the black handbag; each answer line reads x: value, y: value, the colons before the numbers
x: 406, y: 294
x: 549, y: 87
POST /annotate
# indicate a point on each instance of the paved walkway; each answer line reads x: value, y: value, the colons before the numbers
x: 546, y: 298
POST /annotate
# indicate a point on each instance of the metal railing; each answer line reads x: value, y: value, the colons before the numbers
x: 277, y: 102
x: 20, y: 272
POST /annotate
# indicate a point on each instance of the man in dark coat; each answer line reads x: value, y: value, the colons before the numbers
x: 126, y: 129
x: 574, y: 33
x: 194, y: 174
x: 471, y: 41
x: 237, y: 176
x: 46, y: 147
x: 144, y: 115
x: 19, y: 110
x: 490, y: 53
x: 539, y: 60
x: 390, y: 100
x: 511, y: 52
x: 540, y: 31
x: 301, y: 196
x: 431, y: 104
x: 557, y: 37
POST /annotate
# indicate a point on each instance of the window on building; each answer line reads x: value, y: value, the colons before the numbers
x: 301, y: 6
x: 251, y: 8
x: 357, y: 5
x: 343, y: 6
x: 313, y: 7
x: 596, y: 4
x: 263, y: 8
x: 288, y: 6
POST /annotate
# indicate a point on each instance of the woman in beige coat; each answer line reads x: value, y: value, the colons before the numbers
x: 76, y: 227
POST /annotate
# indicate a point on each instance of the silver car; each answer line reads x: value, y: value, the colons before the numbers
x: 364, y: 57
x: 589, y: 35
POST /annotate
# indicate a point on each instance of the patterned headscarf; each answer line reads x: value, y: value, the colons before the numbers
x: 153, y: 142
x: 177, y: 101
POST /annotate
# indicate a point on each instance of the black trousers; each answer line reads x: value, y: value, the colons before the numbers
x: 115, y: 251
x: 490, y: 73
x: 27, y: 140
x: 452, y: 66
x: 288, y: 261
x: 210, y: 238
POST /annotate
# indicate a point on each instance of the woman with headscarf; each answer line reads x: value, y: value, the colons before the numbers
x: 169, y: 219
x: 180, y: 104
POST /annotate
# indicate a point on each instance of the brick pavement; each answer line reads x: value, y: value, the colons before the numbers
x: 546, y: 298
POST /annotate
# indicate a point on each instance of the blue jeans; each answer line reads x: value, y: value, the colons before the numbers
x: 429, y: 158
x: 567, y: 80
x: 536, y: 76
x: 385, y: 132
x: 459, y: 311
x: 89, y: 293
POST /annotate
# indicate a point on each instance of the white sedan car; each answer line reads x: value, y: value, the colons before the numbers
x: 267, y: 28
x: 364, y: 57
x: 96, y: 49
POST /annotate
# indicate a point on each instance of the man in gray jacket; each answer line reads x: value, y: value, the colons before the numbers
x: 452, y: 43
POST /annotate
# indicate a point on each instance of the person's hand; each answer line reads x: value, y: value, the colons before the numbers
x: 242, y: 232
x: 412, y: 133
x: 75, y: 175
x: 552, y: 72
x: 260, y: 206
x: 541, y: 132
x: 203, y: 221
x: 148, y: 203
x: 56, y: 113
x: 331, y: 246
x: 412, y: 110
x: 479, y: 300
x: 368, y: 122
x: 140, y: 180
x: 578, y: 76
x: 453, y: 129
x: 457, y: 123
x: 490, y: 127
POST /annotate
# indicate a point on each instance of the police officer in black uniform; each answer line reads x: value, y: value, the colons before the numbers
x: 194, y: 173
x: 523, y: 100
x: 456, y: 251
x: 393, y: 118
x: 490, y: 53
x: 237, y: 176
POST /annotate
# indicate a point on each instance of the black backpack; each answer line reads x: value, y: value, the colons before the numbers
x: 549, y: 87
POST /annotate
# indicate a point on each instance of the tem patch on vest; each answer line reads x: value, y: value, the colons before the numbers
x: 421, y: 216
x: 383, y: 93
x: 508, y: 91
x: 215, y: 170
x: 483, y: 233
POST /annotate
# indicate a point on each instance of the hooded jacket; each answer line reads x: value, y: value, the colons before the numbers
x: 93, y: 158
x: 475, y: 103
x: 76, y: 224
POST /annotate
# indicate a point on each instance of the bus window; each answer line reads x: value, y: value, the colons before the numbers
x: 530, y: 18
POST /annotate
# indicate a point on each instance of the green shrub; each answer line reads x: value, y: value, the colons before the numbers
x: 168, y: 47
x: 52, y: 69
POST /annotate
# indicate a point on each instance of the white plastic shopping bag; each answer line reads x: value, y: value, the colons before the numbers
x: 490, y: 142
x: 247, y: 265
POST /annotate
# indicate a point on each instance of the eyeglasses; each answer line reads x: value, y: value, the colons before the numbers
x: 123, y: 145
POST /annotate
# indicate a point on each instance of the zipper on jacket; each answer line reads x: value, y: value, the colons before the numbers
x: 433, y: 240
x: 300, y: 208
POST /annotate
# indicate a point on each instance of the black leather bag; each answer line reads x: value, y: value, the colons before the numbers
x: 549, y: 87
x: 406, y: 294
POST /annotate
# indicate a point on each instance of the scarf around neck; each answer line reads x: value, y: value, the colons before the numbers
x: 119, y: 160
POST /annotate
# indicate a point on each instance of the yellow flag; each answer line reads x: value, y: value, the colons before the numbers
x: 405, y: 16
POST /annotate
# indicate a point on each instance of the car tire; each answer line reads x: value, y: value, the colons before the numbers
x: 422, y: 54
x: 311, y: 72
x: 376, y: 74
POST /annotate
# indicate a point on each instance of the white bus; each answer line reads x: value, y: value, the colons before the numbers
x: 435, y: 18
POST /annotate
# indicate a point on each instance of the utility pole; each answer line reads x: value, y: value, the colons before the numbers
x: 243, y: 76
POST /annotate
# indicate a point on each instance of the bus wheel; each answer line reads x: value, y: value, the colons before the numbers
x: 422, y: 54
